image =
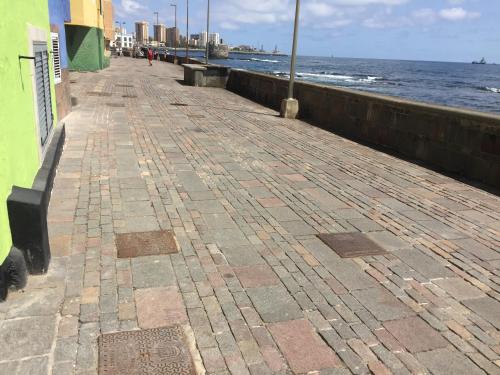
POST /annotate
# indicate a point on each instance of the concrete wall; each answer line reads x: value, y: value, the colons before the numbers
x: 85, y: 47
x: 59, y: 13
x: 20, y: 153
x: 455, y: 140
x: 109, y: 23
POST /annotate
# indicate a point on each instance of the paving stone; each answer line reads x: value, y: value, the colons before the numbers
x: 274, y: 304
x: 477, y: 249
x: 207, y: 207
x: 218, y: 221
x: 242, y: 256
x: 35, y: 303
x: 256, y: 276
x: 382, y: 304
x: 447, y: 361
x: 387, y: 240
x: 298, y: 228
x: 302, y: 347
x: 345, y: 270
x: 459, y: 289
x: 271, y: 202
x: 441, y: 229
x: 487, y: 308
x: 159, y: 307
x: 423, y: 264
x: 415, y: 334
x: 154, y: 271
x: 27, y: 337
x: 34, y: 366
x: 283, y: 214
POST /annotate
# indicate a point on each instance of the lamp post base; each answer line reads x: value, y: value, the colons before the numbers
x: 289, y: 108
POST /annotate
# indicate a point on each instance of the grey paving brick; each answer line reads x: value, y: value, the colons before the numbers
x: 149, y: 272
x: 274, y: 304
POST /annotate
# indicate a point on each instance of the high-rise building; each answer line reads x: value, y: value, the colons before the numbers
x: 160, y: 32
x: 203, y: 39
x: 142, y: 32
x: 173, y: 37
x: 214, y: 38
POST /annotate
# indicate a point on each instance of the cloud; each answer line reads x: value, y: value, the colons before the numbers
x: 131, y: 6
x: 457, y: 14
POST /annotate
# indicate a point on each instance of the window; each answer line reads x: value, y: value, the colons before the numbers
x: 43, y: 98
x: 56, y: 57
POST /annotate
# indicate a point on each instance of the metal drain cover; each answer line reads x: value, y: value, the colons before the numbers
x: 129, y: 96
x: 351, y: 245
x: 179, y: 104
x: 158, y: 351
x: 116, y: 105
x: 124, y: 85
x: 131, y: 245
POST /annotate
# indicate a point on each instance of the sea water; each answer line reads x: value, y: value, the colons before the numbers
x: 460, y: 85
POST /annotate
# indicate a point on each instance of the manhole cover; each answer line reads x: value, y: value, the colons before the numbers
x: 130, y: 245
x: 98, y: 93
x: 129, y: 96
x: 117, y: 105
x: 179, y: 104
x: 154, y: 351
x: 351, y: 245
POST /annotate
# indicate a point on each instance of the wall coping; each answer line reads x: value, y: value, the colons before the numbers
x: 436, y: 108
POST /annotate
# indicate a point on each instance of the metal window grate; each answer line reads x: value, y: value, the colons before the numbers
x: 56, y: 57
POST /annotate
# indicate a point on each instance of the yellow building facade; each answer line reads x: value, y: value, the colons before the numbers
x: 85, y: 35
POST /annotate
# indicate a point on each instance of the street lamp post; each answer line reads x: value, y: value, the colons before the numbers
x: 290, y: 106
x: 208, y: 31
x: 187, y: 31
x: 175, y: 33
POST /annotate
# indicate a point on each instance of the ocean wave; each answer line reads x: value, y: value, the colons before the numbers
x: 265, y: 60
x: 325, y: 76
x: 492, y: 89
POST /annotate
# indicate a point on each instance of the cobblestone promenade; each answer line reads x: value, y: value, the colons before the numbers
x: 245, y: 193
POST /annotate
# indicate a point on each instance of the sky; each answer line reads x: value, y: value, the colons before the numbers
x: 432, y: 30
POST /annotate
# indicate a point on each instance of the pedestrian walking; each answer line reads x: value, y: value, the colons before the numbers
x: 150, y: 56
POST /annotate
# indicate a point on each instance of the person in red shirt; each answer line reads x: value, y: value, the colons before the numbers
x: 150, y: 56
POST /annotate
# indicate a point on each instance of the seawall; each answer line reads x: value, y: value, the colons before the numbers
x: 454, y: 140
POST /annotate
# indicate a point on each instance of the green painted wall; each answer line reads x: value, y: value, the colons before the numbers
x: 85, y: 47
x: 19, y: 143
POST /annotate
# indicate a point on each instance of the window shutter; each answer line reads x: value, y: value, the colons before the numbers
x: 56, y: 57
x: 44, y: 101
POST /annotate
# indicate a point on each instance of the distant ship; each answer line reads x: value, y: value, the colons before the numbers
x: 481, y: 62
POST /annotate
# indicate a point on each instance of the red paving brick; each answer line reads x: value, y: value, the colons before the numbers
x: 415, y: 334
x: 271, y: 202
x: 255, y: 276
x: 159, y: 307
x: 303, y: 349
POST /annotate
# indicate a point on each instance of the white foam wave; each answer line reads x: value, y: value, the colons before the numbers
x: 493, y: 89
x: 265, y: 60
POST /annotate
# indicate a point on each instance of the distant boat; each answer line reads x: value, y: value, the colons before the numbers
x: 481, y: 62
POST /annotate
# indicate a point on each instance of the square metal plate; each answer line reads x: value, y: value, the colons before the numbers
x: 130, y: 245
x: 351, y: 245
x: 158, y: 351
